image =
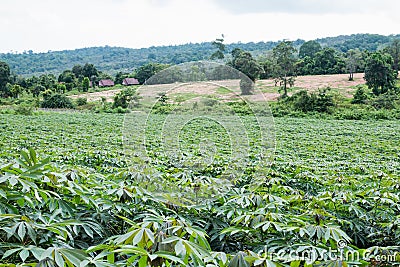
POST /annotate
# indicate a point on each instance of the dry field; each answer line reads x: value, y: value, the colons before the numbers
x: 265, y: 89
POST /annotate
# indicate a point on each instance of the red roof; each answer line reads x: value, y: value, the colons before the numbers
x: 130, y: 81
x: 103, y: 83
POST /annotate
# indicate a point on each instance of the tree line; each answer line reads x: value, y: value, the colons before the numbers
x: 114, y: 59
x: 283, y: 63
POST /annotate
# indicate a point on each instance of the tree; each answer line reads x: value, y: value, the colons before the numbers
x: 220, y: 46
x: 120, y: 76
x: 48, y: 81
x: 327, y: 61
x: 379, y: 73
x: 4, y: 78
x: 16, y: 90
x: 61, y: 88
x: 284, y: 70
x: 244, y: 62
x: 146, y: 71
x: 68, y: 78
x: 394, y: 50
x: 37, y: 89
x: 89, y: 70
x: 309, y: 49
x: 85, y: 84
x: 77, y: 70
x: 353, y: 62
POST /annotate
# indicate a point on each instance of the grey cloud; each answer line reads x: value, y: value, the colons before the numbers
x: 305, y: 6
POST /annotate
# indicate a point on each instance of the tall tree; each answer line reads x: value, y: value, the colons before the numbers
x: 220, y: 46
x: 244, y: 62
x: 309, y: 49
x: 146, y: 71
x: 379, y: 73
x: 394, y: 50
x: 89, y: 70
x: 328, y: 61
x: 353, y: 62
x: 77, y: 70
x: 4, y: 79
x: 285, y: 62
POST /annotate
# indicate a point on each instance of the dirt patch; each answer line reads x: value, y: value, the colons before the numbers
x: 96, y: 96
x: 266, y: 90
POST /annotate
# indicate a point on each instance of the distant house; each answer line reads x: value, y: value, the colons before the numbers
x: 130, y: 81
x: 106, y: 83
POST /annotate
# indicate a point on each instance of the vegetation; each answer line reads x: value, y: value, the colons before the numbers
x: 379, y: 73
x: 57, y: 101
x: 244, y: 62
x: 284, y: 59
x: 116, y: 59
x: 72, y: 193
x: 71, y: 203
x: 4, y: 79
x: 221, y: 48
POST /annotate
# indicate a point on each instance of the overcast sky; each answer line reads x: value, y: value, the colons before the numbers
x: 44, y: 25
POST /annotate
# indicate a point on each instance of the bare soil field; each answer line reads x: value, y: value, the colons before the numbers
x: 265, y: 89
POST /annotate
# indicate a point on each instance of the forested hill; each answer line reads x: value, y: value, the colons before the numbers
x: 114, y: 59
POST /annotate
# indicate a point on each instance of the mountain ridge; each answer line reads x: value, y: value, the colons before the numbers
x: 114, y: 59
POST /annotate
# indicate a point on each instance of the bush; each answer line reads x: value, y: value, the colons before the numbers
x: 209, y: 102
x: 57, y: 101
x: 385, y: 101
x: 81, y: 101
x: 314, y: 102
x: 47, y: 93
x: 24, y: 109
x: 124, y: 98
x: 360, y: 97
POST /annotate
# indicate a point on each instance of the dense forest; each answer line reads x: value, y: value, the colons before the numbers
x: 117, y: 59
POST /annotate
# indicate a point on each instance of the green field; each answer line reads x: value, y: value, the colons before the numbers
x: 331, y: 182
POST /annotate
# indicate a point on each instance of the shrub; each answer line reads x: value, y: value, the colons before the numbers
x: 314, y: 102
x: 47, y: 93
x: 81, y: 101
x: 24, y: 109
x: 385, y: 101
x: 360, y: 97
x: 57, y: 101
x: 209, y: 102
x: 124, y: 98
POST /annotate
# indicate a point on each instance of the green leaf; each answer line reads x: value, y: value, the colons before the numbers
x: 169, y: 256
x: 32, y: 153
x: 58, y: 259
x: 138, y: 237
x: 143, y: 261
x: 10, y: 252
x: 24, y: 254
x: 75, y: 256
x: 179, y: 248
x: 21, y: 231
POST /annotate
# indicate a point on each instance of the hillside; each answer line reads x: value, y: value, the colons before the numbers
x: 114, y: 59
